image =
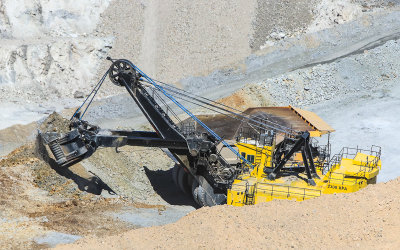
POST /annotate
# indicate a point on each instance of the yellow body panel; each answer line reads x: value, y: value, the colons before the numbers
x: 348, y: 175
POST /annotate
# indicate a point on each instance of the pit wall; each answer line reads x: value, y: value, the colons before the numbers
x: 55, y: 48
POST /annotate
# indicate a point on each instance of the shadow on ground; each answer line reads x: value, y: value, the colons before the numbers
x: 161, y: 180
x: 164, y: 186
x: 92, y: 184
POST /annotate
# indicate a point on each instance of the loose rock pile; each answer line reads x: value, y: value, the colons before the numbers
x: 371, y: 69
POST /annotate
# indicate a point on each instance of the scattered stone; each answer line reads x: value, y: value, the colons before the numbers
x: 79, y: 95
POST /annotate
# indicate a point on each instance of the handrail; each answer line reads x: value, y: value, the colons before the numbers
x: 168, y: 108
x: 351, y: 153
x: 291, y: 191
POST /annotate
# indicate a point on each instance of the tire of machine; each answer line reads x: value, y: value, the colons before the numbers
x: 191, y: 179
x: 208, y: 200
x: 183, y: 181
x: 175, y: 171
x: 372, y: 181
x: 195, y: 185
x: 201, y: 196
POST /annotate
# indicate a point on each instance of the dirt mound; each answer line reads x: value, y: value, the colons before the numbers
x: 18, y: 135
x: 40, y: 198
x: 15, y: 136
x: 369, y: 218
x: 44, y: 176
x: 134, y: 172
x: 37, y: 198
x: 33, y: 160
x: 250, y: 96
x: 128, y: 172
x: 55, y: 123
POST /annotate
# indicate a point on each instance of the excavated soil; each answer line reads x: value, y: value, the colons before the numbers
x: 250, y: 96
x: 366, y: 219
x: 42, y: 204
x: 36, y: 200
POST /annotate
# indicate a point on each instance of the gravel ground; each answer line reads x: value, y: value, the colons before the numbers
x: 130, y: 172
x: 364, y: 119
x: 166, y: 38
x: 274, y: 20
x: 370, y: 70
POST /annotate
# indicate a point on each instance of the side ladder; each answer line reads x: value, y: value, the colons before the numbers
x: 258, y: 156
x: 250, y: 194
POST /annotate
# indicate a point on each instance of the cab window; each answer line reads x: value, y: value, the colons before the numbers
x: 250, y: 158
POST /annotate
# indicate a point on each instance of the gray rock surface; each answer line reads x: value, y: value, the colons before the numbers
x: 371, y: 70
x: 52, y: 239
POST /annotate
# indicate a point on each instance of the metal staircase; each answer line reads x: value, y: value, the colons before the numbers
x: 258, y: 156
x: 250, y: 194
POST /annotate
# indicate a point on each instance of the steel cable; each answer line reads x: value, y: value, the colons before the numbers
x: 94, y: 90
x: 162, y: 90
x: 217, y: 111
x: 198, y: 96
x: 254, y: 122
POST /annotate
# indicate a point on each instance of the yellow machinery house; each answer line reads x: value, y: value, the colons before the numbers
x: 348, y: 171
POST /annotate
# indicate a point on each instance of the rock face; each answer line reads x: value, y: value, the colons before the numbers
x: 49, y: 68
x: 369, y: 70
x: 46, y: 51
x: 274, y: 19
x: 51, y: 49
x: 25, y: 19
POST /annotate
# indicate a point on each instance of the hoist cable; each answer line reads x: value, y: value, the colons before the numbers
x: 93, y: 92
x: 162, y: 90
x: 266, y: 126
x: 217, y: 111
x: 198, y: 96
